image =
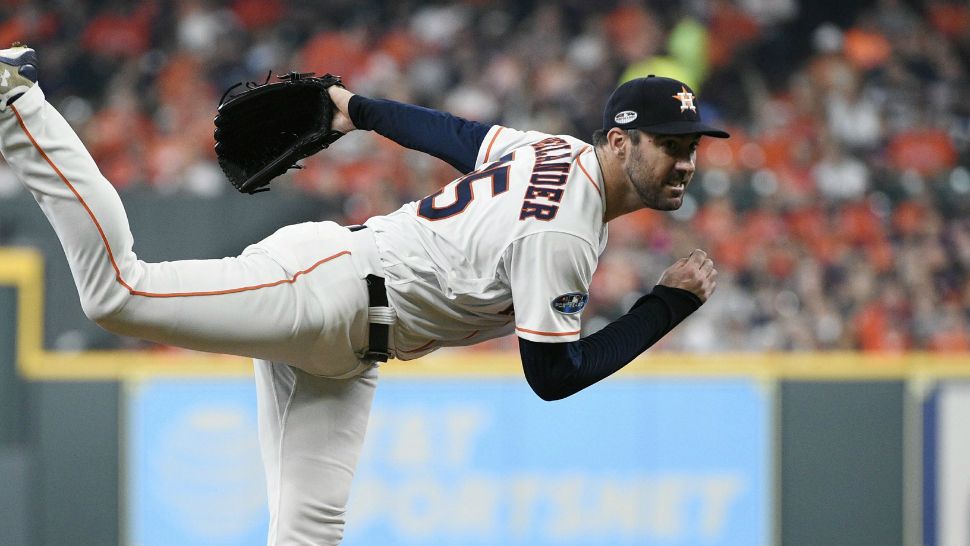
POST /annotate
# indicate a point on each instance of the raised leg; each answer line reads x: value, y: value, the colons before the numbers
x: 295, y: 297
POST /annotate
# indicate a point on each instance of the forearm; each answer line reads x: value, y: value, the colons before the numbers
x: 557, y: 370
x: 445, y: 136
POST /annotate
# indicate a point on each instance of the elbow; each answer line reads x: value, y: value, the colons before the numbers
x: 550, y: 370
x: 549, y: 390
x: 551, y: 395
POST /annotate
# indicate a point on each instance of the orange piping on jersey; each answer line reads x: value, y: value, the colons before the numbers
x: 488, y: 151
x: 111, y: 258
x: 580, y: 163
x: 290, y: 280
x: 547, y: 333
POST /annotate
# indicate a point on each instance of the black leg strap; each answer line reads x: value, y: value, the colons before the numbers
x: 377, y: 342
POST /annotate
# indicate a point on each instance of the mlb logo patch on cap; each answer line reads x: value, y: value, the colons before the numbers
x: 625, y: 116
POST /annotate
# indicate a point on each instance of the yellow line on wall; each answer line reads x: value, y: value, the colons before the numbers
x: 23, y: 269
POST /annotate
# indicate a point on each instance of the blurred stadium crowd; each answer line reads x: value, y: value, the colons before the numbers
x: 838, y: 214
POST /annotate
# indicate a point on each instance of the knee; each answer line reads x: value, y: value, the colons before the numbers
x: 105, y: 309
x: 96, y: 313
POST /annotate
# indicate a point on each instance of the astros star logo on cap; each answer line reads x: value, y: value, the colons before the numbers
x: 686, y: 99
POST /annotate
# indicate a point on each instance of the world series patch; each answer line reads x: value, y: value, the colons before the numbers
x: 570, y: 303
x: 625, y: 116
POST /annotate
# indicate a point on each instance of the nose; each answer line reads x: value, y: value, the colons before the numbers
x: 685, y: 164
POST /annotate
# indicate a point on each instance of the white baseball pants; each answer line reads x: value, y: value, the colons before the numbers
x: 296, y: 302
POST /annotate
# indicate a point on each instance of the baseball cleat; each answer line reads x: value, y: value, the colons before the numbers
x: 18, y: 72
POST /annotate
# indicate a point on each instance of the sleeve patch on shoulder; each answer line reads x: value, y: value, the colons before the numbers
x: 570, y: 303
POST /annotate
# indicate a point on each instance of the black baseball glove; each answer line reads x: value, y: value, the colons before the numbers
x: 263, y: 131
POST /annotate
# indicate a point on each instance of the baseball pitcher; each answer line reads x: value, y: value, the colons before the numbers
x: 509, y: 247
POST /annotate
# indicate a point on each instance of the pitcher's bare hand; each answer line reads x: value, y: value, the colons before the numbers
x: 341, y: 119
x: 695, y: 273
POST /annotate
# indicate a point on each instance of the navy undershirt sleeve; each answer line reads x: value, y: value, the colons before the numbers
x: 557, y: 370
x: 443, y: 135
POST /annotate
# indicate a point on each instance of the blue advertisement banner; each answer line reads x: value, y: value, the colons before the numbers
x: 475, y: 462
x: 193, y: 467
x: 627, y: 462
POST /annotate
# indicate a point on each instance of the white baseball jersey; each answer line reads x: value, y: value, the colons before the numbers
x: 511, y: 246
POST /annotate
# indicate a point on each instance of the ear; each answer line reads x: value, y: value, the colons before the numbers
x: 616, y: 140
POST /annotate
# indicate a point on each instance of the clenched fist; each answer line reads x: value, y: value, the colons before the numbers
x: 695, y: 273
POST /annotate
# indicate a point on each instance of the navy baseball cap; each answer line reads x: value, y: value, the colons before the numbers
x: 662, y: 106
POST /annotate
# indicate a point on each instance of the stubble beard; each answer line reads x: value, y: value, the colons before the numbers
x: 651, y: 194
